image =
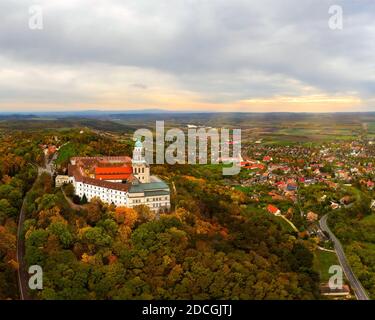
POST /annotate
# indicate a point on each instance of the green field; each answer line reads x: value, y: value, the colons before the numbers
x: 323, y: 260
x: 66, y: 152
x: 371, y: 127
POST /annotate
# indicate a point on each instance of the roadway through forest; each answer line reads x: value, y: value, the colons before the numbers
x: 23, y: 275
x: 359, y: 291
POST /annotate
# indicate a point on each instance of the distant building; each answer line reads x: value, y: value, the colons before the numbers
x: 274, y: 210
x: 61, y: 180
x: 370, y: 184
x: 311, y: 216
x: 267, y: 158
x: 334, y: 205
x: 49, y: 149
x: 121, y: 181
x: 325, y: 290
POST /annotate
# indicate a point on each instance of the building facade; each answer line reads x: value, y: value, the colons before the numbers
x: 121, y: 181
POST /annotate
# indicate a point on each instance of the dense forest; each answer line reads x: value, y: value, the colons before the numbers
x: 205, y: 249
x: 208, y: 247
x: 17, y: 154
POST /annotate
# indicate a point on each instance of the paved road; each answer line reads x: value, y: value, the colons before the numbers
x: 22, y: 272
x: 23, y: 276
x: 359, y: 291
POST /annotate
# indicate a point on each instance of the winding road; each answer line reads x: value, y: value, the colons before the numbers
x: 359, y: 291
x: 23, y: 275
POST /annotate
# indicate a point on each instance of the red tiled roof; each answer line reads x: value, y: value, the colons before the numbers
x: 254, y: 166
x: 52, y: 149
x: 113, y: 170
x: 113, y: 173
x: 272, y: 209
x: 75, y: 171
x: 104, y: 169
x: 124, y: 176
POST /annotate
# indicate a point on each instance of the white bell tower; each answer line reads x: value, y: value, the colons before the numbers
x: 141, y: 169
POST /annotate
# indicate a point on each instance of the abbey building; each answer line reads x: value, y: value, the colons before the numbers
x: 121, y: 181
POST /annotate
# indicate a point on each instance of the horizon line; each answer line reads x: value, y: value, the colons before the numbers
x: 165, y: 111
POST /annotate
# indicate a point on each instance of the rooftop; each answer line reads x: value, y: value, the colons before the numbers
x: 98, y: 170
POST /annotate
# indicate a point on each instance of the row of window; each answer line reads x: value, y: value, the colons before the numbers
x: 157, y: 199
x: 139, y: 170
x: 158, y: 205
x: 150, y: 200
x: 108, y: 190
x: 118, y: 199
x: 88, y: 188
x: 115, y: 201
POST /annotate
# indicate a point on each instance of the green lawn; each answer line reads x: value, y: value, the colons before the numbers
x: 245, y: 190
x: 369, y: 220
x: 66, y: 152
x: 323, y: 260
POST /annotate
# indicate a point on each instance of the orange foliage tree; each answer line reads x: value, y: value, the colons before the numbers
x: 126, y: 216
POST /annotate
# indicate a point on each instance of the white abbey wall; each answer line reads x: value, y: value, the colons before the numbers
x: 120, y: 198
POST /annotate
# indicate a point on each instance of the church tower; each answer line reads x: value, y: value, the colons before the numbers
x: 141, y: 170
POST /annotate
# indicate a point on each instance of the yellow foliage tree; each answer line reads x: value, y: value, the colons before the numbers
x: 126, y: 216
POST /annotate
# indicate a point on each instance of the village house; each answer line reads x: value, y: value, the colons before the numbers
x: 274, y: 210
x: 311, y: 216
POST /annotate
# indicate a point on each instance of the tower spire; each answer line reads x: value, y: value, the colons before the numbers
x: 141, y: 169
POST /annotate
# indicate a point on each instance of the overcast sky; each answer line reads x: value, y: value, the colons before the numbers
x: 219, y: 55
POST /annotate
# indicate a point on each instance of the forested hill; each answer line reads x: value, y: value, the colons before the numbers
x: 206, y: 248
x: 203, y: 250
x: 17, y: 152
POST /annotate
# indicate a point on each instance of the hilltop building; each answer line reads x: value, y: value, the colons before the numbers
x: 121, y: 181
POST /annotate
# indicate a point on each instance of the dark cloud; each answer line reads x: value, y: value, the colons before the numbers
x: 221, y: 50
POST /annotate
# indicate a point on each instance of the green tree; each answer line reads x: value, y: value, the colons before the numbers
x: 84, y: 199
x: 61, y: 230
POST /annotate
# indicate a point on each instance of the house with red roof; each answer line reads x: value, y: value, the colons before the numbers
x: 274, y: 210
x: 370, y: 184
x: 254, y: 166
x: 267, y: 158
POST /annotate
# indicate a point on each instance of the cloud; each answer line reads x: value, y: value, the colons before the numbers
x: 186, y: 53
